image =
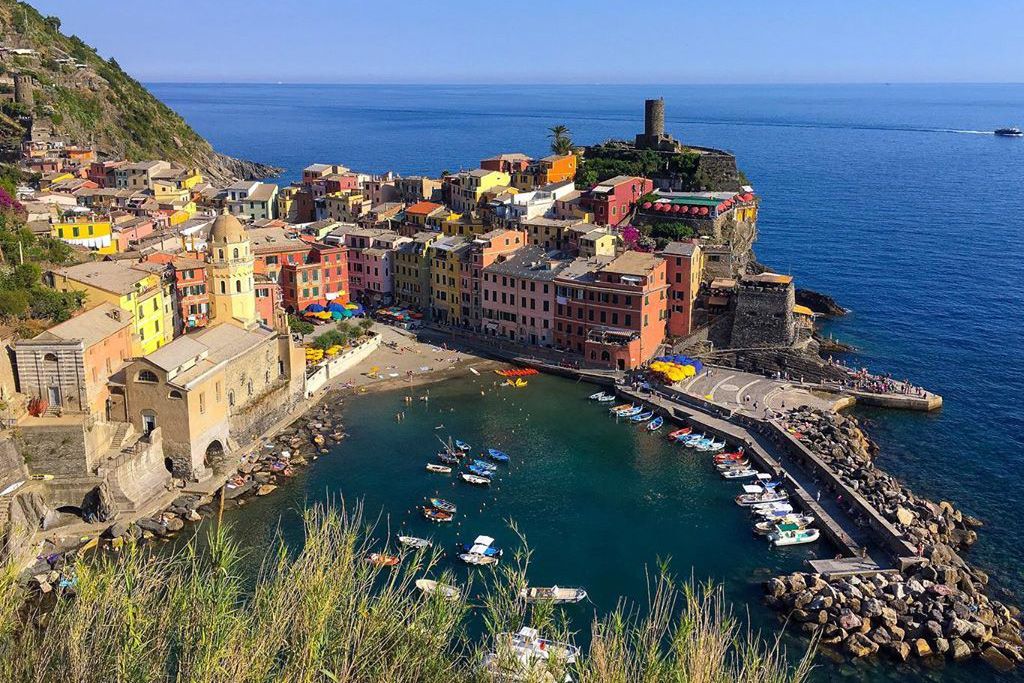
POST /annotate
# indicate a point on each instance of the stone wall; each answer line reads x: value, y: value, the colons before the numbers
x: 764, y: 316
x: 342, y: 363
x: 12, y: 465
x: 62, y: 447
x: 138, y: 476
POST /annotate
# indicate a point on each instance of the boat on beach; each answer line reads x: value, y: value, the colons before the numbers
x: 475, y: 479
x: 440, y: 469
x: 414, y: 542
x: 554, y: 594
x: 429, y: 587
x: 790, y: 534
x: 383, y: 559
x: 655, y: 424
x: 496, y: 455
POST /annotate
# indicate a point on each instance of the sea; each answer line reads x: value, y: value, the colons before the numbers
x: 895, y: 199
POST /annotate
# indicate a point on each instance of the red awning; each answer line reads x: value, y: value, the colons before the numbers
x: 694, y: 210
x: 675, y: 208
x: 704, y: 211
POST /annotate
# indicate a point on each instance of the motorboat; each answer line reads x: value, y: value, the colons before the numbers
x: 790, y: 534
x: 481, y: 471
x: 769, y: 526
x: 711, y: 446
x: 642, y: 417
x: 655, y: 424
x: 475, y: 479
x: 630, y: 413
x: 738, y: 473
x: 429, y: 587
x: 463, y: 446
x: 620, y: 408
x: 772, y: 510
x: 484, y: 465
x: 732, y: 465
x: 675, y: 435
x: 448, y: 459
x: 529, y: 643
x: 598, y: 396
x: 442, y: 504
x: 414, y: 542
x: 383, y: 559
x: 496, y: 455
x: 698, y: 444
x: 440, y: 469
x: 1009, y: 132
x: 554, y: 594
x: 733, y: 455
x: 435, y: 515
x: 755, y: 494
x: 608, y: 398
x: 480, y: 552
x: 479, y: 560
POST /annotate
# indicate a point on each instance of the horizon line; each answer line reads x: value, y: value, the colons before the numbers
x: 576, y: 84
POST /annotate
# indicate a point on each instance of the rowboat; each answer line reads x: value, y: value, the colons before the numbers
x: 732, y: 465
x: 383, y: 559
x: 553, y: 594
x: 442, y: 504
x: 697, y: 443
x: 429, y: 587
x: 435, y: 515
x: 448, y: 459
x: 497, y: 455
x: 793, y: 536
x: 598, y: 396
x: 738, y: 473
x: 772, y: 510
x: 767, y: 527
x: 655, y: 424
x: 711, y: 446
x: 642, y: 417
x: 475, y: 479
x: 440, y: 469
x: 484, y: 465
x: 734, y: 455
x: 635, y: 410
x: 620, y: 408
x: 481, y: 471
x: 675, y: 435
x: 413, y: 541
x: 463, y: 446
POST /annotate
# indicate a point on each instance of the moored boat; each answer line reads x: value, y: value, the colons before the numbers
x: 463, y: 446
x: 448, y: 458
x: 620, y: 408
x: 675, y: 435
x: 711, y: 446
x: 738, y: 473
x: 442, y: 504
x: 481, y: 471
x: 642, y: 417
x: 484, y: 465
x: 383, y: 559
x: 414, y: 541
x: 475, y: 479
x: 440, y: 469
x: 631, y: 412
x: 655, y: 424
x: 554, y: 594
x: 480, y: 560
x: 598, y: 396
x: 732, y: 465
x: 790, y: 534
x: 528, y: 642
x: 435, y: 515
x: 429, y: 587
x: 772, y: 510
x: 496, y: 455
x: 768, y: 526
x: 607, y: 399
x: 480, y: 552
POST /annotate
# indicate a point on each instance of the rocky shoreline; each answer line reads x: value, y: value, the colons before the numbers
x: 935, y: 605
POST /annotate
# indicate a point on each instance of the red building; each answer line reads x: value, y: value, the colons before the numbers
x: 612, y: 311
x: 321, y: 278
x: 268, y: 299
x: 612, y: 201
x: 191, y: 295
x: 507, y: 163
x: 685, y: 271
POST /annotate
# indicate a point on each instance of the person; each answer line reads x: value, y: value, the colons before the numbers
x: 817, y: 498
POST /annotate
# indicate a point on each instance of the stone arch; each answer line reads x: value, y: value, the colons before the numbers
x: 214, y: 452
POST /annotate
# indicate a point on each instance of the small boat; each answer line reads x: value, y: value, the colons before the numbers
x: 463, y: 446
x: 642, y: 417
x: 442, y: 504
x: 448, y: 459
x: 697, y: 443
x: 789, y: 534
x: 479, y: 560
x: 675, y: 435
x: 528, y: 643
x: 497, y: 455
x: 768, y: 526
x: 383, y: 559
x: 598, y: 396
x: 479, y: 549
x: 738, y: 473
x: 711, y: 446
x: 435, y: 515
x: 734, y: 455
x: 475, y: 371
x: 1009, y: 132
x: 484, y: 465
x: 553, y: 594
x: 632, y: 412
x: 414, y: 542
x: 607, y: 399
x: 475, y: 479
x: 754, y: 494
x: 440, y: 469
x: 480, y: 552
x: 429, y: 587
x: 772, y: 510
x: 732, y: 465
x: 620, y: 408
x: 655, y: 424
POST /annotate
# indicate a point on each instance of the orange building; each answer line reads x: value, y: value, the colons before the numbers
x: 556, y: 168
x: 685, y: 270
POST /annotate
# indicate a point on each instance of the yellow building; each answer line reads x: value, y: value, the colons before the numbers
x: 142, y: 294
x: 464, y: 224
x: 89, y: 232
x: 412, y: 271
x: 445, y: 275
x: 346, y: 206
x: 230, y: 273
x: 468, y: 188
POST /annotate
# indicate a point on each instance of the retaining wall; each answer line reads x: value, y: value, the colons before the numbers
x: 339, y: 364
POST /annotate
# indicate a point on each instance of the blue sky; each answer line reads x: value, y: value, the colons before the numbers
x: 528, y: 41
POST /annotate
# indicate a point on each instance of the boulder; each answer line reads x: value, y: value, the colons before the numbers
x: 265, y: 489
x: 922, y: 648
x: 174, y: 524
x: 849, y: 621
x: 116, y: 530
x: 959, y: 649
x: 796, y: 583
x: 859, y: 645
x: 888, y: 615
x: 803, y: 599
x: 906, y: 517
x: 932, y: 629
x: 957, y: 627
x: 997, y: 660
x: 899, y: 651
x: 871, y: 608
x: 941, y: 646
x: 775, y: 587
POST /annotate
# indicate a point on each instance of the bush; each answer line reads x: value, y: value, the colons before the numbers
x: 329, y: 339
x: 300, y: 326
x: 13, y: 303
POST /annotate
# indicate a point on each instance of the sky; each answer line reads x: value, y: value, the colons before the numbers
x: 554, y: 41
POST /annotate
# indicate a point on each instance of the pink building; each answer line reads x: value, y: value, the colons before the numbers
x: 371, y: 254
x: 519, y: 296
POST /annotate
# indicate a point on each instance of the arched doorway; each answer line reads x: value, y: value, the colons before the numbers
x: 148, y: 421
x: 214, y: 452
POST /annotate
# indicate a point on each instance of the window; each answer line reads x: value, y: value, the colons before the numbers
x: 234, y: 252
x: 238, y: 286
x: 231, y: 398
x: 223, y: 287
x: 175, y: 394
x: 147, y: 376
x: 202, y: 402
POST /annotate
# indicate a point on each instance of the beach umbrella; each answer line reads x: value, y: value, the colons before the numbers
x: 646, y: 205
x: 335, y: 306
x: 314, y: 308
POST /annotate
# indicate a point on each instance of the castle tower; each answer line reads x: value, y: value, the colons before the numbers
x: 230, y: 274
x: 654, y: 117
x: 23, y: 90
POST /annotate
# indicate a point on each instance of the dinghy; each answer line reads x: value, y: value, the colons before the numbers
x: 413, y: 542
x: 642, y: 417
x: 435, y: 515
x: 496, y: 455
x: 607, y: 399
x: 732, y: 465
x: 383, y: 559
x: 632, y: 412
x: 738, y: 473
x: 463, y: 446
x: 554, y: 594
x: 598, y: 396
x: 769, y: 526
x: 484, y: 465
x: 475, y: 479
x: 620, y: 408
x: 677, y: 434
x: 440, y: 469
x: 481, y: 471
x: 442, y: 504
x: 429, y: 587
x: 655, y: 424
x: 479, y: 560
x: 789, y: 534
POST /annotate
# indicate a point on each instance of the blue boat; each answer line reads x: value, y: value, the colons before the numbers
x: 497, y: 455
x: 480, y: 471
x: 462, y: 445
x: 630, y: 412
x: 655, y: 424
x: 483, y: 464
x: 643, y: 417
x: 479, y: 548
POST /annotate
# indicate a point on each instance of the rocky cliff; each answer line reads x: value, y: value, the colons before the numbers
x: 85, y: 99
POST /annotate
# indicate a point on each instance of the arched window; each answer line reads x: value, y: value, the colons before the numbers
x: 147, y: 376
x: 231, y: 398
x: 50, y: 358
x: 220, y: 253
x: 223, y: 287
x: 235, y: 253
x: 238, y: 286
x: 174, y: 393
x: 605, y: 355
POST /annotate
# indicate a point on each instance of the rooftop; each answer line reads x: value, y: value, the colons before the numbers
x: 679, y: 249
x: 768, y: 279
x: 531, y: 262
x: 633, y: 263
x: 423, y: 208
x: 189, y: 358
x: 112, y: 276
x: 92, y: 326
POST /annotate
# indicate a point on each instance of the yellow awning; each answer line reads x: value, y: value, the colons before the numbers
x: 802, y: 310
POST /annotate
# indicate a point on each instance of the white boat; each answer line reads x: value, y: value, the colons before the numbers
x: 553, y: 594
x: 732, y: 465
x: 529, y: 643
x: 711, y: 447
x: 598, y: 396
x: 440, y: 469
x: 512, y: 667
x: 479, y: 560
x: 475, y: 479
x: 793, y: 536
x: 429, y: 587
x: 608, y: 398
x: 738, y: 473
x: 769, y: 510
x: 475, y: 371
x: 749, y: 499
x: 414, y: 541
x: 772, y: 525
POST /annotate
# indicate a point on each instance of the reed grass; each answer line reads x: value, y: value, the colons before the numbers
x: 322, y: 614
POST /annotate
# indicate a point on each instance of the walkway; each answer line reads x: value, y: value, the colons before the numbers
x: 755, y: 395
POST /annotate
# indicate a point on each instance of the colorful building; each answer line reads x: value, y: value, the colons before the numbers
x: 446, y: 256
x: 612, y: 311
x: 321, y: 279
x: 90, y: 231
x: 252, y: 201
x: 491, y: 247
x: 612, y: 200
x: 556, y: 168
x: 519, y: 296
x: 510, y: 163
x: 465, y: 190
x: 685, y: 271
x: 412, y: 271
x: 192, y: 298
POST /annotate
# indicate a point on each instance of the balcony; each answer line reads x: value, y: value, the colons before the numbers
x: 613, y: 336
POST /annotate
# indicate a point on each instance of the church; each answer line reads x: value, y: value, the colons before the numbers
x: 216, y: 390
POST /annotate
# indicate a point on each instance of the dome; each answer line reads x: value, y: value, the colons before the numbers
x: 227, y: 229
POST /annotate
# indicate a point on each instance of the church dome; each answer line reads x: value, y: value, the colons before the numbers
x: 227, y: 229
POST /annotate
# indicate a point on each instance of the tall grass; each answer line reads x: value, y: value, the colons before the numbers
x: 324, y: 614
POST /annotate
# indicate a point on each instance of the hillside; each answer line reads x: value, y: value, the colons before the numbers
x: 89, y: 100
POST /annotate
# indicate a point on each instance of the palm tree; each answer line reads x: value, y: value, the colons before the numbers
x: 561, y: 143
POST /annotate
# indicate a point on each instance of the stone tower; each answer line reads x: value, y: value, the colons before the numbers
x: 230, y: 274
x: 654, y: 117
x: 764, y: 312
x: 23, y: 90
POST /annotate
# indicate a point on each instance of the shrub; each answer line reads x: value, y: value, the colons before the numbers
x: 300, y: 326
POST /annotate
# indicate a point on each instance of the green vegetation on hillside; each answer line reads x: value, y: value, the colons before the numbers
x: 608, y: 160
x: 323, y: 614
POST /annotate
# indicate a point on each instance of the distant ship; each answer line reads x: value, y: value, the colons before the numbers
x: 1009, y: 132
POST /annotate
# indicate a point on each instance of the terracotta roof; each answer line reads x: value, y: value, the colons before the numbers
x: 423, y: 208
